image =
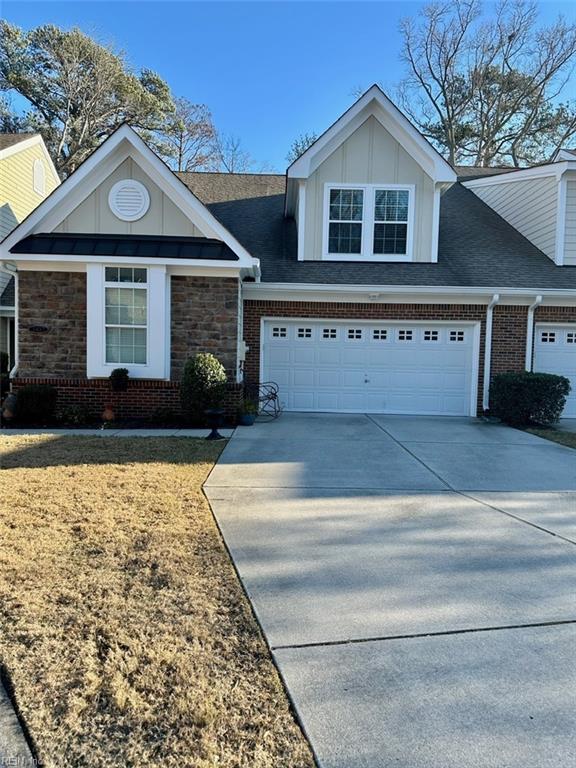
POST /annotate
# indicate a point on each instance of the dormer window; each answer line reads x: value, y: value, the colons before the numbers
x: 371, y: 222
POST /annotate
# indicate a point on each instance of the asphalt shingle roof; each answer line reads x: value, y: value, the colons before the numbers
x: 476, y: 246
x: 9, y: 139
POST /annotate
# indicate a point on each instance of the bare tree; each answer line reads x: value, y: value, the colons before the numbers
x: 232, y: 157
x: 300, y: 145
x: 488, y: 91
x: 188, y: 141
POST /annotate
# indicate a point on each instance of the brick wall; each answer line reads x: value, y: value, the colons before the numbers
x: 55, y: 301
x: 142, y: 399
x: 508, y: 339
x: 204, y: 319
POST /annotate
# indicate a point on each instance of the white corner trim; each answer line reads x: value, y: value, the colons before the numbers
x: 530, y: 333
x: 374, y: 102
x: 488, y: 351
x: 301, y: 232
x: 435, y: 224
x: 560, y: 222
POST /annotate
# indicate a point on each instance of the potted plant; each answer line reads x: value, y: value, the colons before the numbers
x: 202, y: 391
x: 119, y: 379
x: 248, y: 413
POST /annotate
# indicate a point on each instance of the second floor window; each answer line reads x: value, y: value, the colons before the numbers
x: 371, y: 222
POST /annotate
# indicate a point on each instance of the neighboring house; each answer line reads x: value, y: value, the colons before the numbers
x: 27, y: 176
x: 366, y: 279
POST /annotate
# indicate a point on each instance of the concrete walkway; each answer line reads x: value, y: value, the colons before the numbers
x: 116, y: 433
x: 416, y: 581
x: 14, y: 749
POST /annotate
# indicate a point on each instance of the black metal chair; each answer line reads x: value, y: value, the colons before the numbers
x: 265, y: 396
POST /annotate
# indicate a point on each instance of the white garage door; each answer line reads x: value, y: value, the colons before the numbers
x: 555, y: 352
x: 357, y: 366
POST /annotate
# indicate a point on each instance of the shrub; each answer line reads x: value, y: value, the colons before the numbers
x: 119, y: 379
x: 528, y: 398
x: 36, y: 404
x: 76, y: 416
x: 203, y: 385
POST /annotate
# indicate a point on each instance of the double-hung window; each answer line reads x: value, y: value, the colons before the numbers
x: 126, y: 315
x: 128, y: 320
x: 371, y: 222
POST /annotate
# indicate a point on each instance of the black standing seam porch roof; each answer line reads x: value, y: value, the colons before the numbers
x: 151, y: 246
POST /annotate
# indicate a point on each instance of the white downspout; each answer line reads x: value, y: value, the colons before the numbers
x: 488, y: 351
x: 530, y: 332
x: 13, y: 273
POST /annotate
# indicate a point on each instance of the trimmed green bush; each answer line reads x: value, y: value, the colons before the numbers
x: 528, y: 398
x: 119, y: 379
x: 36, y: 404
x: 203, y: 385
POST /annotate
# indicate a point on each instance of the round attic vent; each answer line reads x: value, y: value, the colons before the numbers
x: 129, y: 200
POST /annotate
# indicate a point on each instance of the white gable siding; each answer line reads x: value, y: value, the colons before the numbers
x: 369, y: 156
x: 570, y: 234
x: 530, y: 206
x: 94, y: 216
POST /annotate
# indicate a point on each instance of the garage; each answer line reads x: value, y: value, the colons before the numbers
x: 555, y: 352
x: 354, y: 366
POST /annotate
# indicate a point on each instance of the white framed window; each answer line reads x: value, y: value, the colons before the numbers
x: 354, y: 334
x: 380, y: 334
x: 39, y: 177
x: 126, y: 315
x: 548, y: 337
x: 456, y: 336
x: 330, y: 333
x: 431, y: 335
x: 279, y: 332
x: 369, y: 222
x: 127, y: 320
x: 304, y: 333
x: 571, y: 338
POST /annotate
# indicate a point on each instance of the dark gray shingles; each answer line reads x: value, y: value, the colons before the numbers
x: 476, y: 247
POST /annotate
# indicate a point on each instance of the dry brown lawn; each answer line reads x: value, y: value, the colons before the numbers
x: 124, y: 630
x: 557, y: 436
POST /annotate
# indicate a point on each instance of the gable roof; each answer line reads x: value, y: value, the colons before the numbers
x: 375, y: 103
x: 477, y: 248
x: 11, y: 139
x: 124, y: 142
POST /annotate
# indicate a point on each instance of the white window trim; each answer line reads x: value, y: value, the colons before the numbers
x: 157, y: 354
x: 141, y: 287
x: 368, y: 223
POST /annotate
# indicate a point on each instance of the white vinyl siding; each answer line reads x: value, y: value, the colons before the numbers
x: 530, y: 206
x: 570, y: 234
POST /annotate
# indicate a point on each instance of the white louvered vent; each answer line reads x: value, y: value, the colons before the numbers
x: 129, y: 200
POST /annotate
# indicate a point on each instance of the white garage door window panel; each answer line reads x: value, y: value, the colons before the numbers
x: 375, y: 367
x: 555, y: 352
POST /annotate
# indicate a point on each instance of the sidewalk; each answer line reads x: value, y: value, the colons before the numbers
x: 14, y: 749
x: 117, y: 432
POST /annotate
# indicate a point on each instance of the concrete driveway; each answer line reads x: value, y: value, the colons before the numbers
x: 416, y: 581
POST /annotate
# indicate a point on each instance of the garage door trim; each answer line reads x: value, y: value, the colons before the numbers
x: 475, y: 325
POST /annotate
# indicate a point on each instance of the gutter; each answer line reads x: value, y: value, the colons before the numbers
x: 13, y: 272
x: 530, y: 332
x: 488, y: 351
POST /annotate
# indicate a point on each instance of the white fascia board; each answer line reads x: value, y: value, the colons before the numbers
x: 565, y: 154
x: 382, y: 293
x: 66, y: 260
x: 374, y: 102
x: 524, y: 174
x: 97, y: 167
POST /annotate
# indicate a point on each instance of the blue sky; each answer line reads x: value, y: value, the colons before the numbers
x: 268, y: 70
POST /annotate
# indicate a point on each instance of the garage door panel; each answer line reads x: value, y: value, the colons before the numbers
x: 362, y: 366
x: 555, y: 352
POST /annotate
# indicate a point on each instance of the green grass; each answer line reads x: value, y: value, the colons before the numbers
x: 556, y: 436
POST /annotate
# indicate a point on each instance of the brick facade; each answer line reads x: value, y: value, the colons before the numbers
x: 52, y: 341
x: 204, y: 318
x: 52, y: 324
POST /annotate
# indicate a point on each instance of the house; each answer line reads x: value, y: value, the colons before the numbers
x: 27, y: 176
x: 371, y: 277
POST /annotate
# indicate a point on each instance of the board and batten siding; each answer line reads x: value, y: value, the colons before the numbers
x: 17, y: 195
x: 570, y: 231
x: 530, y: 206
x: 370, y: 155
x: 93, y: 215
